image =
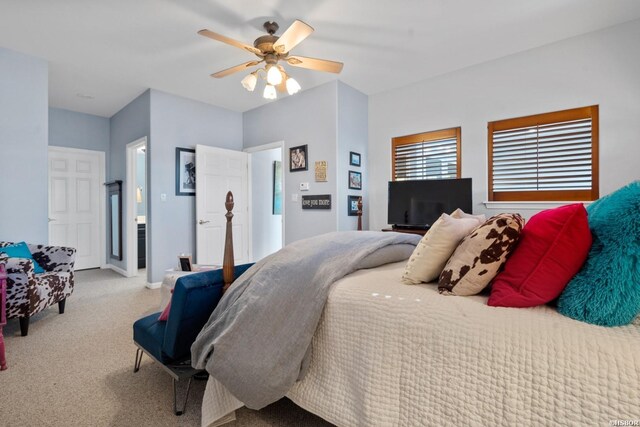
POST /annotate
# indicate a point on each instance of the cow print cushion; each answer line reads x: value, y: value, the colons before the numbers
x: 480, y: 255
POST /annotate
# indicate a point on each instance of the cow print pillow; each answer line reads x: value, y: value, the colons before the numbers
x: 480, y: 255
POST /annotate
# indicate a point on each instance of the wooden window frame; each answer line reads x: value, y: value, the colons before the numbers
x: 543, y: 119
x: 435, y: 135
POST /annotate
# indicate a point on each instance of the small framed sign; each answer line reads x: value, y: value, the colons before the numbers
x: 321, y: 171
x: 320, y: 201
x: 354, y: 158
x: 355, y: 180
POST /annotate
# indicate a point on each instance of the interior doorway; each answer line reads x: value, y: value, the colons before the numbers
x: 266, y: 177
x: 137, y: 208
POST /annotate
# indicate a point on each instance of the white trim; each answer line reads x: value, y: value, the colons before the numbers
x: 116, y: 269
x: 528, y: 205
x: 250, y: 150
x: 154, y: 285
x: 102, y: 194
x: 131, y: 211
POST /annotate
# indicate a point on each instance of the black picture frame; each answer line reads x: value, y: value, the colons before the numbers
x: 185, y: 172
x: 185, y: 262
x: 352, y: 205
x: 298, y: 158
x: 355, y: 180
x: 355, y: 159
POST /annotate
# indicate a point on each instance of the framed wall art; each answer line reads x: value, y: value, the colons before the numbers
x: 185, y: 172
x: 354, y: 159
x: 298, y: 158
x: 355, y: 180
x: 352, y: 205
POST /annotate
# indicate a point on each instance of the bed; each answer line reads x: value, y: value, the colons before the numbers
x: 388, y: 354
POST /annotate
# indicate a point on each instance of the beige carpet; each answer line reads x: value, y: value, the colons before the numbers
x: 76, y: 369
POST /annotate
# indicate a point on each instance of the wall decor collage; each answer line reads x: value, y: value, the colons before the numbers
x: 355, y: 183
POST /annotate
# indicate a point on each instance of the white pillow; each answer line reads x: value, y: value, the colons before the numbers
x: 431, y: 255
x: 459, y: 213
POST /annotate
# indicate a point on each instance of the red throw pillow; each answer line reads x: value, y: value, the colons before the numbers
x: 553, y: 246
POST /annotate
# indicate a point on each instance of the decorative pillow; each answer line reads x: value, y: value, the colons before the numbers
x: 164, y: 316
x: 435, y: 248
x: 21, y: 250
x: 552, y: 248
x: 607, y: 290
x: 480, y: 255
x: 459, y: 213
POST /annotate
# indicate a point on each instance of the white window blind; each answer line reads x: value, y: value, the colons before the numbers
x: 419, y: 157
x: 555, y: 156
x: 545, y: 157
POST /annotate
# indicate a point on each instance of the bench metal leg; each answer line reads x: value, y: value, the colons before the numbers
x: 136, y: 365
x: 175, y: 397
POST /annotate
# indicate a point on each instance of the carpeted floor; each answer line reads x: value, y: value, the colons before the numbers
x: 76, y: 369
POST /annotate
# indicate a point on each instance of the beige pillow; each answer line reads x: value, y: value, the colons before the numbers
x: 437, y: 245
x: 480, y: 255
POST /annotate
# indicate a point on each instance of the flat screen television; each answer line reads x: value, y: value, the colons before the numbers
x: 419, y: 203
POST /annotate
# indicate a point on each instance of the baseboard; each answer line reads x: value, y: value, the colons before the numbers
x: 154, y: 285
x: 116, y: 269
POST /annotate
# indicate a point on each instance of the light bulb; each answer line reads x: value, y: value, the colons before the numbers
x: 249, y: 82
x: 274, y: 76
x: 270, y: 92
x: 292, y: 86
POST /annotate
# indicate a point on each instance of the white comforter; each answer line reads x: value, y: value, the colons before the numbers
x: 389, y: 354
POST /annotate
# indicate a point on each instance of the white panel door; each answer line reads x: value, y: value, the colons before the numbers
x: 75, y: 208
x: 219, y: 171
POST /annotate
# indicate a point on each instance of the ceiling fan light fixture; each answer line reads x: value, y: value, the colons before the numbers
x: 249, y: 82
x: 293, y: 86
x: 274, y: 76
x: 269, y: 92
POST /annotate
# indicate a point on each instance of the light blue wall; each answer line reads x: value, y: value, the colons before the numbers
x: 179, y: 122
x: 78, y: 130
x: 127, y: 125
x: 23, y: 138
x: 353, y: 135
x: 306, y: 118
x: 141, y: 179
x: 266, y: 228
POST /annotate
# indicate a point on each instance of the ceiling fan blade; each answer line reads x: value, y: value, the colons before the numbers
x: 232, y: 42
x: 224, y: 73
x: 282, y: 87
x: 297, y: 32
x: 315, y: 64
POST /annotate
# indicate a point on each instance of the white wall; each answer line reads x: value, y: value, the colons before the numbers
x: 23, y: 138
x: 266, y: 228
x: 352, y: 136
x: 598, y: 68
x: 309, y: 117
x: 179, y: 122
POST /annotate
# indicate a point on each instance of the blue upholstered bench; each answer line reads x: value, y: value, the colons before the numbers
x: 195, y: 296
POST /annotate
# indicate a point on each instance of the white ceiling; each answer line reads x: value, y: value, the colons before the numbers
x: 114, y: 50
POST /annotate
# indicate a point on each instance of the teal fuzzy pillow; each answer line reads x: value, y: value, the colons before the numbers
x: 21, y: 250
x: 606, y: 291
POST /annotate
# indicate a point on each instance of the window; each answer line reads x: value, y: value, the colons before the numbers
x: 546, y: 157
x: 429, y: 155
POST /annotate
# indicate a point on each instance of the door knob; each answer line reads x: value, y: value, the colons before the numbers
x: 203, y: 222
x: 51, y: 219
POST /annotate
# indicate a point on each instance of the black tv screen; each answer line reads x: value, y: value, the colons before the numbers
x: 420, y: 203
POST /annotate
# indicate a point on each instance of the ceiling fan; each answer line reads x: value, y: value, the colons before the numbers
x: 271, y: 49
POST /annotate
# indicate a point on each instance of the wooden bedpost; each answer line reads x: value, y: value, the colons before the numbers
x: 227, y: 262
x: 359, y: 213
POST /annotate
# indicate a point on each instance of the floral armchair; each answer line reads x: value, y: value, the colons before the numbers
x: 29, y: 293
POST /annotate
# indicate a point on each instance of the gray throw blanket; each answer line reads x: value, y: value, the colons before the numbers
x: 257, y: 339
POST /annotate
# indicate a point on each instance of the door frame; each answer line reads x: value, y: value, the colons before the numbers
x: 250, y: 151
x: 102, y: 195
x: 132, y: 232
